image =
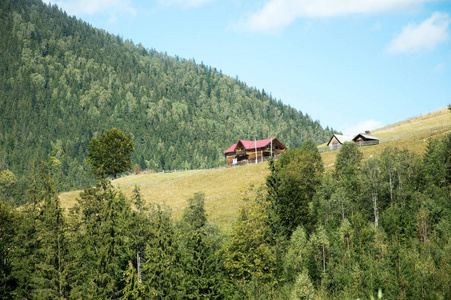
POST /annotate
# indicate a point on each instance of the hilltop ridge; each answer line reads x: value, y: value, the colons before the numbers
x: 63, y: 82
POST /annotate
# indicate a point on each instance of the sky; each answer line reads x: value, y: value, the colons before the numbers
x: 353, y: 65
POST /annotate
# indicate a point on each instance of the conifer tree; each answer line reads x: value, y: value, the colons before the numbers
x: 293, y: 182
x: 162, y: 273
x: 202, y: 274
x: 248, y: 253
x: 7, y: 233
x: 50, y: 275
x: 347, y: 165
x: 140, y: 229
x: 27, y: 242
x: 133, y: 289
x: 40, y: 256
x: 102, y: 256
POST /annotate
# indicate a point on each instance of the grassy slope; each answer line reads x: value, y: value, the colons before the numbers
x: 411, y: 134
x: 225, y: 187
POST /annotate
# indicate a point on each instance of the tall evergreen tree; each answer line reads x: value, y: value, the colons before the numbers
x: 7, y: 233
x: 40, y: 256
x: 49, y: 280
x: 162, y: 272
x: 102, y: 253
x: 347, y: 165
x: 293, y: 182
x: 202, y: 276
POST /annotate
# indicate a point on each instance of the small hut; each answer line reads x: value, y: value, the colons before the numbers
x: 337, y: 140
x: 364, y: 139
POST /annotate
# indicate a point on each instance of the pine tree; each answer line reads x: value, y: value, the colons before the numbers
x: 133, y: 289
x: 293, y: 182
x: 202, y: 274
x: 27, y: 242
x: 248, y: 253
x: 7, y: 233
x: 40, y: 255
x: 49, y: 280
x: 102, y: 253
x: 162, y: 272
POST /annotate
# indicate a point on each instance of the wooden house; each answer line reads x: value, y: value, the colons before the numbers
x: 245, y: 151
x: 365, y: 139
x: 337, y: 140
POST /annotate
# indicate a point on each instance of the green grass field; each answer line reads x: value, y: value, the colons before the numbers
x: 225, y: 188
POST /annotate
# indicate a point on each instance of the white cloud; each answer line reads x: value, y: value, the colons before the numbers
x: 352, y: 130
x: 184, y: 3
x: 420, y: 38
x: 277, y: 14
x: 439, y: 67
x: 91, y: 7
x: 377, y: 26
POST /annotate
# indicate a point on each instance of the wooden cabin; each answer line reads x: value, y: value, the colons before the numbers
x: 365, y: 139
x: 337, y: 140
x: 245, y: 151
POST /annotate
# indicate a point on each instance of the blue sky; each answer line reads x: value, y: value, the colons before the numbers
x: 351, y: 64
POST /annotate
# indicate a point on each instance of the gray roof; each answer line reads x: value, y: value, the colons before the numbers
x: 341, y: 138
x: 367, y: 136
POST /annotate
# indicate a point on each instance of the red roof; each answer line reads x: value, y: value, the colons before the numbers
x: 248, y: 145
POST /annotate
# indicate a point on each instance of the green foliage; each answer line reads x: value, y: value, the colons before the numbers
x: 203, y: 277
x: 294, y: 180
x: 133, y: 289
x: 437, y: 162
x: 303, y: 287
x: 105, y: 249
x: 195, y: 215
x: 248, y: 254
x: 7, y: 183
x: 110, y: 153
x: 162, y: 271
x: 63, y: 82
x: 102, y: 221
x: 39, y: 261
x: 7, y: 234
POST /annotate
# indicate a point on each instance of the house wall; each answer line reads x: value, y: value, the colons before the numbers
x: 251, y: 155
x: 334, y: 141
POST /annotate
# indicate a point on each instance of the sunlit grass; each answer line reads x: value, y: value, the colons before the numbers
x: 411, y: 134
x: 224, y: 188
x: 414, y: 125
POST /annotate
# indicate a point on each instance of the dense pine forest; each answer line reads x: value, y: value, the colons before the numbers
x: 374, y: 228
x: 368, y: 228
x: 63, y: 82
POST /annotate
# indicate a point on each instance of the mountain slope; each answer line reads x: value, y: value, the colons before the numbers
x: 224, y: 188
x: 63, y: 82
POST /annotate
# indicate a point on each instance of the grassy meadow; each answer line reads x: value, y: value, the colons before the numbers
x: 225, y: 187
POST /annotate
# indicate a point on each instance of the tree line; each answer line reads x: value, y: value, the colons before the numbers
x: 379, y: 227
x: 63, y: 82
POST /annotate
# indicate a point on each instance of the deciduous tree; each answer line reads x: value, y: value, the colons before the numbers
x: 110, y: 154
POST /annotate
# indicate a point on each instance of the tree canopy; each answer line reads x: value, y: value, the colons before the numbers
x: 388, y: 234
x: 110, y: 154
x: 63, y: 82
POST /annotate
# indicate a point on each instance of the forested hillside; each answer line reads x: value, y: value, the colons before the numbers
x: 374, y: 228
x: 63, y: 82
